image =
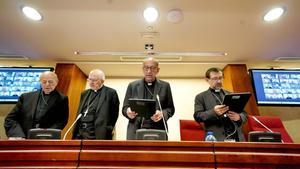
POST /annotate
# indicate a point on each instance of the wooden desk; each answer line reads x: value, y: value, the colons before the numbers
x: 257, y: 155
x: 147, y: 154
x: 39, y: 153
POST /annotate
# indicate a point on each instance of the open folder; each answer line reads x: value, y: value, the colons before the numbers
x: 144, y: 107
x: 236, y: 101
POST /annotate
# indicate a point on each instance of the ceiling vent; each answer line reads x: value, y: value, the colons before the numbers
x: 288, y: 59
x: 12, y: 57
x: 149, y: 35
x: 159, y: 58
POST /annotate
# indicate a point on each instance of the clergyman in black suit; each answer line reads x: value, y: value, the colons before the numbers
x: 225, y: 124
x: 45, y: 108
x: 100, y: 108
x: 148, y: 88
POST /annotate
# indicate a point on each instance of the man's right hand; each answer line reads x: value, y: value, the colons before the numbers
x: 221, y: 109
x: 131, y: 114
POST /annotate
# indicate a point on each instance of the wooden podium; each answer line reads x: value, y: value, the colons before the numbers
x: 147, y: 154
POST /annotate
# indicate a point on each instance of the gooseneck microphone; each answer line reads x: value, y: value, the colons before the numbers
x: 164, y: 121
x: 259, y: 122
x: 78, y: 117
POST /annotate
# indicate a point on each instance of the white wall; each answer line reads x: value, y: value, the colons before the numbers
x: 183, y: 91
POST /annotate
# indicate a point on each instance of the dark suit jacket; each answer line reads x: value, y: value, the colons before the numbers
x: 107, y: 112
x: 204, y: 112
x: 20, y: 119
x: 136, y: 90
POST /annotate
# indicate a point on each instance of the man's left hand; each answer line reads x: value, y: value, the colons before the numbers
x: 233, y: 116
x: 157, y: 116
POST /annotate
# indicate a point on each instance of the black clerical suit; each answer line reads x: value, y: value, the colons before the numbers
x: 37, y: 110
x: 103, y: 112
x: 141, y: 90
x: 221, y: 126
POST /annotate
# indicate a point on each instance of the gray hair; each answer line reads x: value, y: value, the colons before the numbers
x: 54, y: 76
x: 98, y: 73
x: 150, y: 58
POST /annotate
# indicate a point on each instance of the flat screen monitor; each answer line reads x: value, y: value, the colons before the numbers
x: 276, y: 86
x: 17, y: 80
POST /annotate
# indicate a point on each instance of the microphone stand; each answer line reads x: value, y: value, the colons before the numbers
x: 78, y: 117
x: 164, y: 121
x: 262, y: 124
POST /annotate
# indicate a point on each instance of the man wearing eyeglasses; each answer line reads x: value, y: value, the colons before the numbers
x: 150, y: 87
x: 45, y: 108
x: 99, y: 107
x: 226, y: 125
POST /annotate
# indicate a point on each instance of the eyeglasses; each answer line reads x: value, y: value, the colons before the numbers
x: 217, y: 78
x: 50, y: 82
x: 92, y: 80
x: 151, y: 68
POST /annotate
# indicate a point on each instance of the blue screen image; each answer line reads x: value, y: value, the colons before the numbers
x: 277, y: 86
x: 15, y: 81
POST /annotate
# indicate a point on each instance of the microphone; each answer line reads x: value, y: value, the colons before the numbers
x: 164, y: 121
x: 78, y: 117
x: 259, y: 122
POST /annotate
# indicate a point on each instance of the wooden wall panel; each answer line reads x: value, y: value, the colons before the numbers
x: 236, y: 79
x: 72, y: 81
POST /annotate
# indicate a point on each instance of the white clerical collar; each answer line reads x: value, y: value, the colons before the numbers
x: 98, y: 89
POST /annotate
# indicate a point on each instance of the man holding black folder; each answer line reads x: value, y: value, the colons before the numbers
x: 225, y: 124
x: 148, y: 88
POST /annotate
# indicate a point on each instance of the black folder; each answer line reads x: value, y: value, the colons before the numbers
x: 236, y: 101
x: 144, y: 107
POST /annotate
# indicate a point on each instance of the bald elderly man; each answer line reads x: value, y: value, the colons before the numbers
x: 45, y: 108
x: 99, y: 106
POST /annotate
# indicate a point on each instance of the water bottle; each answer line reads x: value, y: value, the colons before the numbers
x: 210, y: 136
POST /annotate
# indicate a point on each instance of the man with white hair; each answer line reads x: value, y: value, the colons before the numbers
x: 45, y: 108
x: 99, y: 106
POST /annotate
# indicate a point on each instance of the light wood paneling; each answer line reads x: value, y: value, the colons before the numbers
x: 72, y: 82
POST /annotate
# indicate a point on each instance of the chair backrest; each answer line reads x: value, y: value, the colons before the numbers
x: 271, y: 122
x: 190, y: 130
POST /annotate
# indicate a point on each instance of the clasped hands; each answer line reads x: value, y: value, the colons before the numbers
x: 156, y: 117
x: 221, y: 109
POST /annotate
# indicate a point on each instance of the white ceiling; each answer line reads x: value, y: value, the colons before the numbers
x: 232, y: 26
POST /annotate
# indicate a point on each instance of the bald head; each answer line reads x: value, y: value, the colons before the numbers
x: 152, y: 60
x: 48, y: 81
x: 150, y: 69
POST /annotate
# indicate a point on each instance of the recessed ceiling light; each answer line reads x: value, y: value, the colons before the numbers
x: 174, y: 16
x: 150, y: 14
x: 31, y: 13
x: 274, y: 14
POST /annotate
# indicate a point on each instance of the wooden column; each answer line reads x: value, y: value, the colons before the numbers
x: 72, y: 81
x: 237, y: 79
